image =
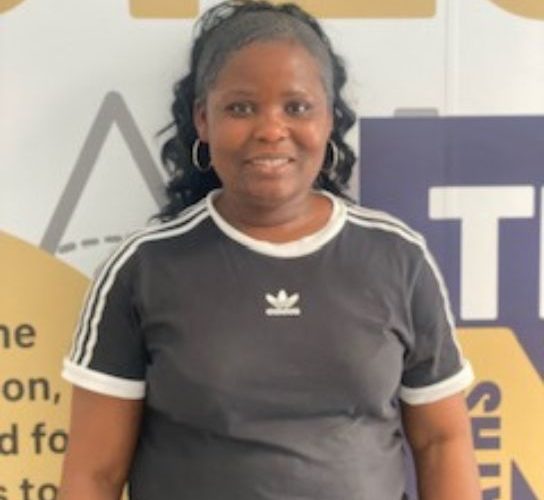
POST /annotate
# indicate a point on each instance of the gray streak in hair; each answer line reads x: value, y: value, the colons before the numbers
x: 241, y: 30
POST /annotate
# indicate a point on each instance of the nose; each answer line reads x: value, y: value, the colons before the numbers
x: 270, y: 126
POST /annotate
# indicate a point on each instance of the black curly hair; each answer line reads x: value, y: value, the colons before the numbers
x: 188, y: 184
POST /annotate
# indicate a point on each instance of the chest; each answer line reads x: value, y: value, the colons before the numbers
x: 262, y: 338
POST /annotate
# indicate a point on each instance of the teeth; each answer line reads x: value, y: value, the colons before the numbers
x: 270, y: 162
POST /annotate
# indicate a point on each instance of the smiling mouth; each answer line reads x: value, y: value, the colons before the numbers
x: 266, y: 162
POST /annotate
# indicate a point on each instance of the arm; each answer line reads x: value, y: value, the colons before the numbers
x: 440, y: 438
x: 103, y: 436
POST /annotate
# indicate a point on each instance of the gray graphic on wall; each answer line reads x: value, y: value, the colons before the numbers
x: 113, y: 111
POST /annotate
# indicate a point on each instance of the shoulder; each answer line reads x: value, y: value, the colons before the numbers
x: 394, y: 237
x: 183, y: 223
x: 186, y: 221
x: 147, y: 240
x: 385, y: 228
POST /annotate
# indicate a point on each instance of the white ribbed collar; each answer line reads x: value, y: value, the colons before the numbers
x: 290, y: 249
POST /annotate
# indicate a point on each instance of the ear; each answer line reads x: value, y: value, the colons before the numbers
x: 331, y: 122
x: 200, y: 120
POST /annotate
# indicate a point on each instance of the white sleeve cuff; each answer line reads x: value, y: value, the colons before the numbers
x: 431, y: 393
x: 102, y: 383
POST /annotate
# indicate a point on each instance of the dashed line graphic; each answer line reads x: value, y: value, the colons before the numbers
x: 88, y: 243
x: 113, y: 111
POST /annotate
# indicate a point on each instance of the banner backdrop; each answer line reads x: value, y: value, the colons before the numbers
x: 451, y: 139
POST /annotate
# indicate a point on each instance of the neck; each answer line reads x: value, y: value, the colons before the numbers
x: 292, y: 221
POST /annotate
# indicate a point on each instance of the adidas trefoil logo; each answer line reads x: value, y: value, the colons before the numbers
x: 282, y: 304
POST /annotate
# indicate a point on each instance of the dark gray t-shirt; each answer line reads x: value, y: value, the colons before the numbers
x: 269, y: 371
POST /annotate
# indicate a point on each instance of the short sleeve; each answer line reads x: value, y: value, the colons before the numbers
x: 108, y: 353
x: 434, y: 365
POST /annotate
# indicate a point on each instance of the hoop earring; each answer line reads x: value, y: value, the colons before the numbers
x: 335, y: 154
x: 196, y: 161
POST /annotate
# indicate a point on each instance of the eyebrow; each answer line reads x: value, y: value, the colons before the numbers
x: 247, y: 93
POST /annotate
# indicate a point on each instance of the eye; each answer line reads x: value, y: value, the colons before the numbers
x: 240, y: 109
x: 297, y: 108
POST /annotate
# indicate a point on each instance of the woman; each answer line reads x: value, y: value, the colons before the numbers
x: 267, y: 341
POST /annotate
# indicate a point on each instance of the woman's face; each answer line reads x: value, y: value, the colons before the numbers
x: 267, y: 121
